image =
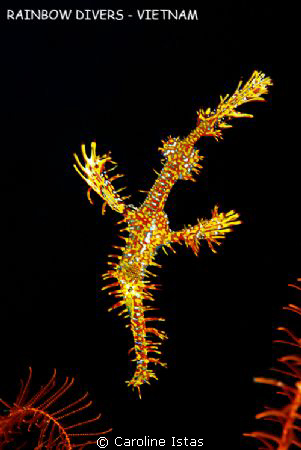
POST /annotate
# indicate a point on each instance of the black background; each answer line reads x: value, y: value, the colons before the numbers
x: 129, y: 84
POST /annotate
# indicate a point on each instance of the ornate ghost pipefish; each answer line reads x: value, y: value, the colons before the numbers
x: 147, y: 226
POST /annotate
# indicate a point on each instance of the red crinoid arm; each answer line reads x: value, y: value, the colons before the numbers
x: 295, y: 286
x: 288, y: 416
x: 53, y: 425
